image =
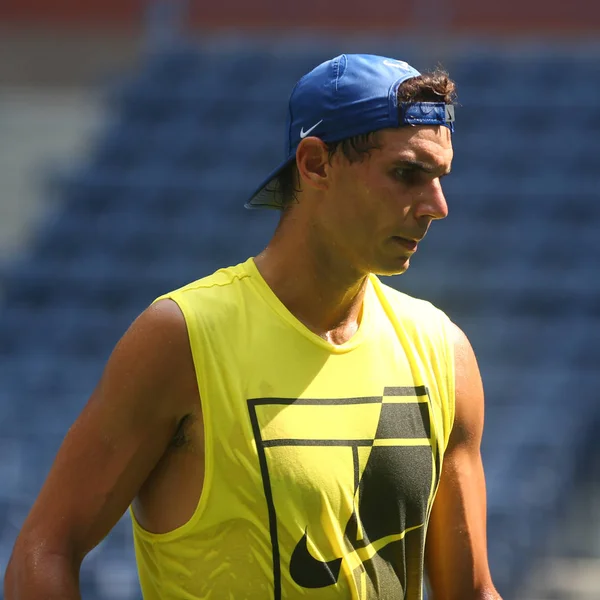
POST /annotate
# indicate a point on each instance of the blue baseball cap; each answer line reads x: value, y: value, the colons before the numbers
x: 349, y: 95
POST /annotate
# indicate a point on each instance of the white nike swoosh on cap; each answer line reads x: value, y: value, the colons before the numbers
x: 399, y: 64
x: 303, y: 133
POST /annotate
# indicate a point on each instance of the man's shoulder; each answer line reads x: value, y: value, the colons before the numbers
x: 215, y: 302
x: 405, y: 303
x: 218, y: 283
x: 418, y: 316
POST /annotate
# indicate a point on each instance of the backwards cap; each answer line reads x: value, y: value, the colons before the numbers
x: 349, y: 95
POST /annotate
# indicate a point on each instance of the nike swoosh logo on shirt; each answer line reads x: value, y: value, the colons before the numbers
x: 303, y: 133
x: 310, y: 572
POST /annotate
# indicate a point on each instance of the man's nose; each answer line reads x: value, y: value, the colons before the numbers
x: 431, y: 202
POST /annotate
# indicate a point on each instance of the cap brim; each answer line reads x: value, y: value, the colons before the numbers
x: 268, y: 194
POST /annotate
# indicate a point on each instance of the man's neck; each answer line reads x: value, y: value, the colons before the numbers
x: 318, y: 288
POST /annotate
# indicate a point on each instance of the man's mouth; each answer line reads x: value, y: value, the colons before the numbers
x: 408, y: 243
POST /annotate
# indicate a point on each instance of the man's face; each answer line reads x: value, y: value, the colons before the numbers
x: 377, y: 208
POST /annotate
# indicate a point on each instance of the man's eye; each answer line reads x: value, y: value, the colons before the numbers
x: 406, y: 175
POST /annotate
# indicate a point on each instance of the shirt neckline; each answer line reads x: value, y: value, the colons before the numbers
x: 283, y: 312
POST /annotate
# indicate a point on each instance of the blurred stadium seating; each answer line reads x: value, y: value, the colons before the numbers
x: 160, y: 203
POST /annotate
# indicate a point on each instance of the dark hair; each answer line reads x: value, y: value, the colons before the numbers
x: 435, y: 86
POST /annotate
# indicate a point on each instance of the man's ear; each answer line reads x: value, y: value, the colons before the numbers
x: 312, y: 160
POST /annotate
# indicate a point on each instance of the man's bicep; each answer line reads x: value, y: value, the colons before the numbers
x: 456, y: 550
x: 118, y: 438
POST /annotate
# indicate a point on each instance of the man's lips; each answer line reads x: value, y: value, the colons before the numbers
x: 408, y: 243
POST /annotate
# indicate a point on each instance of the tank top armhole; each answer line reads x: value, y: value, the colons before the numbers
x: 448, y: 344
x: 193, y: 331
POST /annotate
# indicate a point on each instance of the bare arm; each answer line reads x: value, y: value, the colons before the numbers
x: 456, y: 549
x: 105, y: 458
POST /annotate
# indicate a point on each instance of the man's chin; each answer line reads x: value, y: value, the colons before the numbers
x: 389, y: 270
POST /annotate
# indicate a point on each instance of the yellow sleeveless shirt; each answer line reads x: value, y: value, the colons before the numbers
x: 322, y: 461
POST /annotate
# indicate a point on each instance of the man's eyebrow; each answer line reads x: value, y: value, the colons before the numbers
x: 417, y: 165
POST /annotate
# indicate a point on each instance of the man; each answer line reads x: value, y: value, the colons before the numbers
x: 279, y: 428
